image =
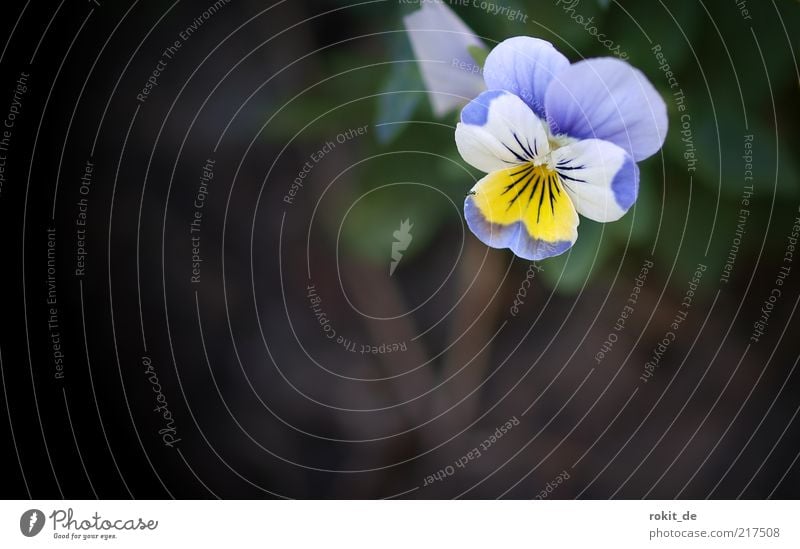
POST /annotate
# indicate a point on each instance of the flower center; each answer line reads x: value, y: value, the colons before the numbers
x: 559, y: 140
x: 544, y: 162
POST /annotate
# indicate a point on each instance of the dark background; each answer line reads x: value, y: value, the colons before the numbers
x: 264, y: 404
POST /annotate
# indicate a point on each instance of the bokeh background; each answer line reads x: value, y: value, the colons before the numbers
x: 270, y: 353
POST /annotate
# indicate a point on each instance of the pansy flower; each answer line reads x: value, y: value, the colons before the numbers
x: 556, y: 140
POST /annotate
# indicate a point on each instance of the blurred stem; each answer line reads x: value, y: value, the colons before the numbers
x: 377, y: 291
x: 474, y: 321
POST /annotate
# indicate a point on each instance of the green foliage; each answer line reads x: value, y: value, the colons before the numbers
x: 401, y: 91
x: 478, y: 54
x: 400, y: 95
x: 569, y: 272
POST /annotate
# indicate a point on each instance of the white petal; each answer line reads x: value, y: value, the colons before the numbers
x: 498, y: 130
x: 601, y: 178
x: 440, y: 41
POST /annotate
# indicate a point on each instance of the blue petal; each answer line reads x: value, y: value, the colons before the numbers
x: 626, y: 184
x: 607, y: 98
x: 524, y: 66
x: 477, y: 111
x: 514, y: 236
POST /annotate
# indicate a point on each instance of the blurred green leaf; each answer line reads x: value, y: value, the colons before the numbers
x: 398, y: 100
x: 641, y: 222
x: 479, y: 54
x: 369, y: 226
x: 670, y: 29
x: 568, y: 272
x: 686, y: 233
